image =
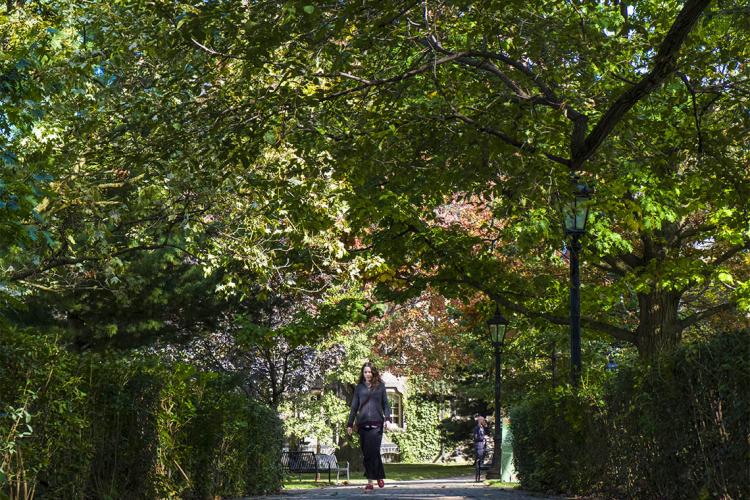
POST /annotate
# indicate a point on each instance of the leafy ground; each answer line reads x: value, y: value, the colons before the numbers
x: 393, y: 472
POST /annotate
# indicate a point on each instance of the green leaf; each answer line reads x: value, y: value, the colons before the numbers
x: 725, y: 277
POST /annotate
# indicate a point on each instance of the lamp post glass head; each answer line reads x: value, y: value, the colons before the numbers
x: 576, y: 210
x: 497, y: 325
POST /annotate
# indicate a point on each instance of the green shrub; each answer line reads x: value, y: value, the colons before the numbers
x: 675, y: 429
x: 556, y: 445
x: 236, y: 444
x: 43, y: 426
x: 93, y: 426
x: 681, y: 426
x: 122, y: 411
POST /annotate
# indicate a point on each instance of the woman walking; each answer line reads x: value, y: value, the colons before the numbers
x: 372, y: 413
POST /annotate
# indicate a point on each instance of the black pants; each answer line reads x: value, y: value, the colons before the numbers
x: 479, y: 447
x: 370, y: 440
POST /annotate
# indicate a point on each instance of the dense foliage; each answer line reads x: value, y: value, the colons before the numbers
x: 422, y: 441
x: 111, y: 427
x: 456, y: 126
x: 275, y: 141
x: 675, y: 429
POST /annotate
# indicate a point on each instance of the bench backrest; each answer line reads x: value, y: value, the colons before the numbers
x: 299, y: 460
x: 326, y: 461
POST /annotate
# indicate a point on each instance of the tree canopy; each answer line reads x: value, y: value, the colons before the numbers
x: 404, y: 144
x: 459, y: 124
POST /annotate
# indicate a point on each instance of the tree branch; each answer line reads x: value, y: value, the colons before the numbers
x: 489, y: 130
x: 729, y: 254
x: 508, y: 139
x: 548, y: 97
x: 694, y: 231
x: 61, y: 262
x: 470, y: 59
x: 615, y: 331
x: 699, y: 316
x: 404, y: 10
x: 696, y: 116
x: 403, y: 76
x: 214, y: 52
x: 665, y: 64
x: 628, y: 259
x: 609, y: 268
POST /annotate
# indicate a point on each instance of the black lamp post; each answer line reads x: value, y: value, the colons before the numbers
x: 575, y: 214
x: 497, y: 325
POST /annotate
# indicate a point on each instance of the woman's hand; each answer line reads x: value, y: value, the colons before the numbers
x: 349, y: 430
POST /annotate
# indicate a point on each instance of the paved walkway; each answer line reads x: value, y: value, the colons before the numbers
x: 446, y: 489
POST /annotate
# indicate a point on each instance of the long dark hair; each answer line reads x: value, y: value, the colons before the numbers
x: 375, y: 374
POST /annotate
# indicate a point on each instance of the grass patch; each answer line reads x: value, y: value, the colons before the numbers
x: 402, y: 472
x: 393, y: 472
x: 496, y: 483
x: 308, y: 482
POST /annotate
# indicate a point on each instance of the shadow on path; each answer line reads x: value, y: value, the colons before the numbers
x: 448, y: 489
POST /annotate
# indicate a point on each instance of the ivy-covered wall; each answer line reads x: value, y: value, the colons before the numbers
x: 421, y: 440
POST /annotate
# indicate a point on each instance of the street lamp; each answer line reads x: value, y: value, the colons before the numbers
x: 497, y: 326
x: 575, y: 214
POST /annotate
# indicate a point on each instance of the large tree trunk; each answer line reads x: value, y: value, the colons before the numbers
x: 659, y: 329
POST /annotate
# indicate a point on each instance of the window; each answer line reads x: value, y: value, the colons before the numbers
x: 397, y: 408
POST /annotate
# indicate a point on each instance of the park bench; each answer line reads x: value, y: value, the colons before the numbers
x: 299, y: 462
x: 484, y: 465
x: 329, y: 463
x: 302, y: 462
x: 389, y: 452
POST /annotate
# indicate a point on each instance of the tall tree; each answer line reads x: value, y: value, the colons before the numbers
x: 438, y: 106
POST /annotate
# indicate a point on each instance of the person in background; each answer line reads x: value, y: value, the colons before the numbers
x: 480, y: 442
x: 373, y: 414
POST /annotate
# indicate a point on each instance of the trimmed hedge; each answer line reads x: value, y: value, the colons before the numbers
x: 97, y: 427
x: 556, y: 442
x: 678, y: 428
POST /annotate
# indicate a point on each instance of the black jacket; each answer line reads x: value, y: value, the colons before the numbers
x: 375, y: 411
x: 480, y: 435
